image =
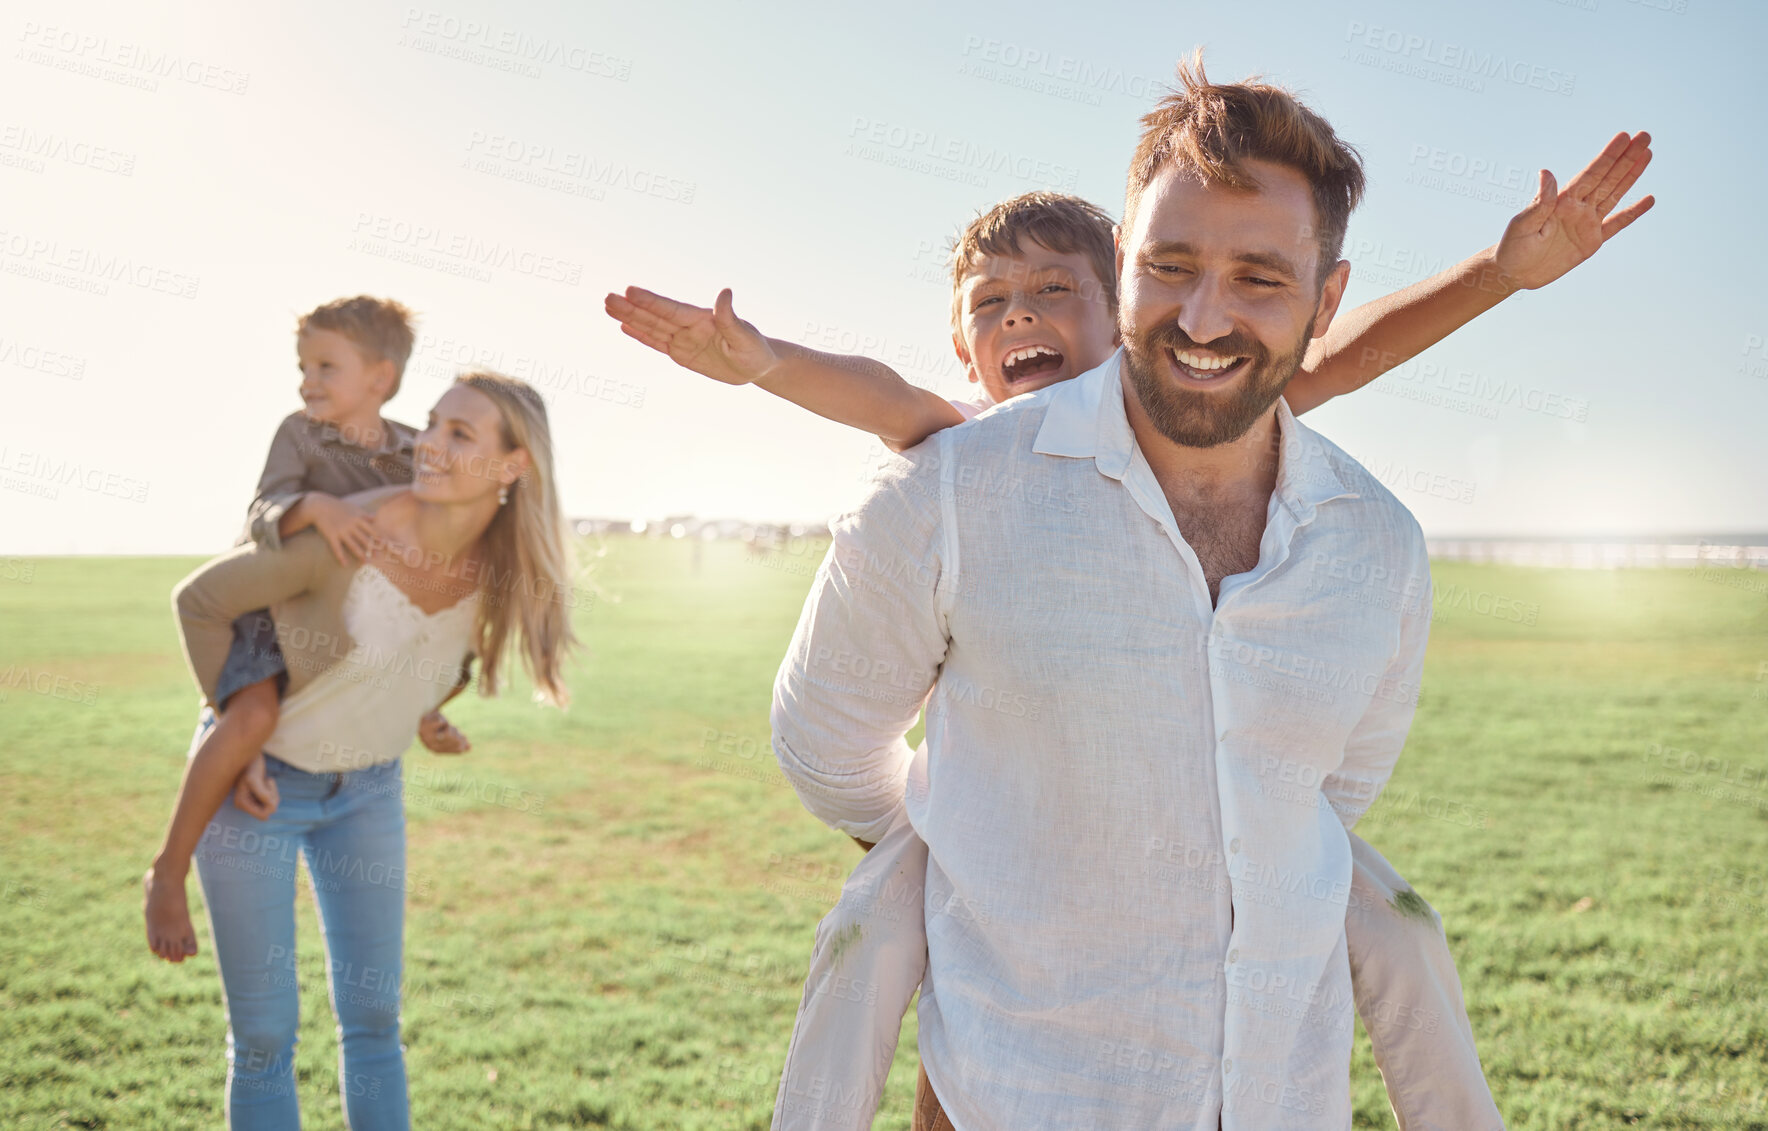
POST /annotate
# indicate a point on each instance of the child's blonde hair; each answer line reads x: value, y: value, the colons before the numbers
x: 1064, y: 224
x: 379, y: 327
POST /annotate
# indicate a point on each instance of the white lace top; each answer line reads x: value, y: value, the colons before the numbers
x: 364, y: 710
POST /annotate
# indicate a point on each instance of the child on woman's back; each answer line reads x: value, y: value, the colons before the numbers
x: 352, y: 353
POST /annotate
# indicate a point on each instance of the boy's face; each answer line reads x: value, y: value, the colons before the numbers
x: 1031, y: 320
x: 338, y: 384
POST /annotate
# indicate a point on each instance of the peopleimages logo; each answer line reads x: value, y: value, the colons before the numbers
x: 872, y: 139
x: 374, y: 232
x: 41, y: 257
x: 512, y: 48
x: 1426, y: 57
x: 94, y: 54
x: 35, y: 146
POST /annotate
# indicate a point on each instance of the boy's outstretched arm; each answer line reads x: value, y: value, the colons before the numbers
x: 847, y: 389
x: 1556, y: 232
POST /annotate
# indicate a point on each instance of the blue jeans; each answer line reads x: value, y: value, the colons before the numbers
x: 351, y: 829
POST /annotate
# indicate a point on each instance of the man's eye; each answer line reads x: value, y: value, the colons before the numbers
x: 982, y: 302
x: 459, y: 435
x: 1165, y: 268
x: 1054, y: 287
x: 1258, y: 282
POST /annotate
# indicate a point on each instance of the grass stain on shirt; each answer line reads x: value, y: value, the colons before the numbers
x: 1408, y: 904
x: 841, y: 941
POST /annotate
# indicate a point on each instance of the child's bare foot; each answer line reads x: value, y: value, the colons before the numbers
x: 169, y: 931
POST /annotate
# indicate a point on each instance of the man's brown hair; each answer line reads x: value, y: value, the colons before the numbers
x: 1065, y: 224
x: 379, y: 327
x: 1214, y: 129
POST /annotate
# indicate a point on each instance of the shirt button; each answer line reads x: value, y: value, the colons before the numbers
x: 1227, y: 1066
x: 1233, y: 957
x: 1234, y: 845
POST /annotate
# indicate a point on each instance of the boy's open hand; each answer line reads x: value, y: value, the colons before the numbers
x: 714, y: 342
x: 1563, y: 227
x: 441, y: 736
x: 343, y: 526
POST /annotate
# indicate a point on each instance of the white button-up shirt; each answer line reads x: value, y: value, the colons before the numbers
x: 1134, y: 802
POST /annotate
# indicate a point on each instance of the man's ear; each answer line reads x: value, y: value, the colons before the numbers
x: 1331, y: 294
x: 963, y: 353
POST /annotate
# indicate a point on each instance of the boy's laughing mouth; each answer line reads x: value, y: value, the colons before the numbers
x: 1026, y: 362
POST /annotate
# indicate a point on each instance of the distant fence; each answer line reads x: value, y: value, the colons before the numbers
x: 1599, y: 555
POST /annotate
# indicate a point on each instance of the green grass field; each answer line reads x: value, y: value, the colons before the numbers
x: 612, y: 908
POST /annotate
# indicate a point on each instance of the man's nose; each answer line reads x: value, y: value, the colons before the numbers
x: 1204, y: 313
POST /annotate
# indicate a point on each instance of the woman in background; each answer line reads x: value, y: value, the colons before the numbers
x: 468, y: 561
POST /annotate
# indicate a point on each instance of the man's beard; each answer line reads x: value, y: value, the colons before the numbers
x: 1194, y: 418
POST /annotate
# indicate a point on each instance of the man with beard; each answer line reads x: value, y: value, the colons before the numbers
x: 1168, y: 641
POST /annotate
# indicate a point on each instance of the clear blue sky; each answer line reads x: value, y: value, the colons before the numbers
x: 271, y: 160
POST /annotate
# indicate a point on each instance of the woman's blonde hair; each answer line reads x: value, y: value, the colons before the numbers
x: 526, y: 579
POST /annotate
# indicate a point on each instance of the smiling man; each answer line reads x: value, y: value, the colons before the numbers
x: 1137, y: 874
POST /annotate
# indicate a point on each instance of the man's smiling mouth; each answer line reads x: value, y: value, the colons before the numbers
x: 1022, y: 363
x: 1208, y: 367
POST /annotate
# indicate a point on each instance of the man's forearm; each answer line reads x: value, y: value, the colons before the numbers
x: 1391, y: 330
x: 867, y: 651
x: 854, y: 789
x: 858, y: 392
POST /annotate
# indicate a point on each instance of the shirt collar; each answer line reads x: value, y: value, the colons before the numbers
x: 1307, y: 475
x: 1086, y: 419
x: 396, y: 438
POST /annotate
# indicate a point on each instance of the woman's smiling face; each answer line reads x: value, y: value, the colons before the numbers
x: 460, y: 456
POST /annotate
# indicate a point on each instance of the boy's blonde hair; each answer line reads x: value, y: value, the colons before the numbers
x: 528, y: 572
x: 1212, y: 130
x: 379, y: 327
x: 1064, y: 224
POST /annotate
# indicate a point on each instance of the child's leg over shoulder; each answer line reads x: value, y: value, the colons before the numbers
x: 1409, y: 997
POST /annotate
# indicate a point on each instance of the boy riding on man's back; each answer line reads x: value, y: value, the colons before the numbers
x: 1034, y: 303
